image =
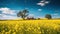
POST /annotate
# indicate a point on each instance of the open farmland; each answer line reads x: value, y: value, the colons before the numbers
x: 30, y: 27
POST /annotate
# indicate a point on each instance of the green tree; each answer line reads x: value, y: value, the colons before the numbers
x: 23, y: 14
x: 48, y: 16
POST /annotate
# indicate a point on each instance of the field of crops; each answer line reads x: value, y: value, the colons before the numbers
x: 30, y: 27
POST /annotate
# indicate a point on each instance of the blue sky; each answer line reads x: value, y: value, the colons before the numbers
x: 36, y: 8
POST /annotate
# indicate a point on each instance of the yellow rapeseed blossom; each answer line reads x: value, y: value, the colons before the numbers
x: 30, y: 27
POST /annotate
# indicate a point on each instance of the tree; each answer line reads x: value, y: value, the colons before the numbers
x: 48, y: 16
x: 23, y: 13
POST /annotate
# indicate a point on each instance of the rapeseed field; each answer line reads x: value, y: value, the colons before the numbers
x: 30, y: 27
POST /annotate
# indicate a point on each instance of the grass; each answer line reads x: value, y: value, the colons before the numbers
x: 30, y: 27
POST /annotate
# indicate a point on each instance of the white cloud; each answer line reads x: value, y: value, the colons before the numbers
x: 43, y: 3
x: 7, y: 11
x: 31, y: 15
x: 0, y: 14
x: 3, y: 16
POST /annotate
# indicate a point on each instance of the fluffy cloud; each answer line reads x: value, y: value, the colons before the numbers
x: 7, y: 13
x: 3, y: 16
x: 43, y: 3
